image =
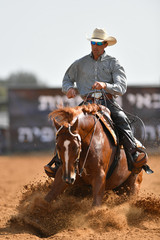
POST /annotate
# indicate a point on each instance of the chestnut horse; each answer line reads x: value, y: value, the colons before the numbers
x: 87, y: 153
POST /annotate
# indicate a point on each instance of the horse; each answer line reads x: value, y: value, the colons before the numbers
x: 87, y: 152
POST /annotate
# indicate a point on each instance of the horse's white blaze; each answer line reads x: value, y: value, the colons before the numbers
x: 66, y: 154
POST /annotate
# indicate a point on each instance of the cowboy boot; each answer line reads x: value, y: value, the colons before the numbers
x: 136, y: 160
x: 136, y: 157
x: 49, y: 170
x: 140, y: 159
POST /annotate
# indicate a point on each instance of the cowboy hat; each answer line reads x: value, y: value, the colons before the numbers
x: 100, y: 35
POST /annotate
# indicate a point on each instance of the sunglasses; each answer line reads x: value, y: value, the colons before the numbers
x: 97, y: 43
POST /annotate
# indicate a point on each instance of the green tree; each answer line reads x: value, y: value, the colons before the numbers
x: 23, y: 80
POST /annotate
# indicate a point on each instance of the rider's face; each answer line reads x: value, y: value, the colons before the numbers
x: 98, y: 50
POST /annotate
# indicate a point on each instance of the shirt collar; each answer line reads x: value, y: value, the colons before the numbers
x: 101, y: 57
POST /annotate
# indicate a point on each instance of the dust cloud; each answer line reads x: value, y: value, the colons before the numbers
x: 73, y: 212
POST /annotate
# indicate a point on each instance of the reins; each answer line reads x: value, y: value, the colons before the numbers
x: 96, y: 119
x: 82, y: 168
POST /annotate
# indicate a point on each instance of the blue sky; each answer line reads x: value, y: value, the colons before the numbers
x: 45, y: 36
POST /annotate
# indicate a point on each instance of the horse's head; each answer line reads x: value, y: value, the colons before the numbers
x: 68, y: 143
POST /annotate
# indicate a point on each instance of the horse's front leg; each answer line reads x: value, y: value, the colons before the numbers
x: 58, y: 187
x: 98, y: 185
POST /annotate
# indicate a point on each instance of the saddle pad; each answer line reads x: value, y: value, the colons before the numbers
x: 108, y: 126
x: 112, y: 132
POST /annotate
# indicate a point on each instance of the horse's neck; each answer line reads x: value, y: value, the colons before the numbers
x: 86, y: 122
x: 89, y: 127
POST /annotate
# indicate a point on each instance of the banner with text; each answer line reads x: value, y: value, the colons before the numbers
x: 30, y: 128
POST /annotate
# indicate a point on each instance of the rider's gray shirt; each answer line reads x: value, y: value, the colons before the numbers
x: 86, y: 71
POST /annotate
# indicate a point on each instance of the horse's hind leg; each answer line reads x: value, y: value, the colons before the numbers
x: 58, y: 187
x: 131, y: 186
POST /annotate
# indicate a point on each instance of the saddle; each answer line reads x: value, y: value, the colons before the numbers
x: 105, y: 119
x: 109, y: 125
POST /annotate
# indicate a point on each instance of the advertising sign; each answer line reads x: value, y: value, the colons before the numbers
x: 30, y: 128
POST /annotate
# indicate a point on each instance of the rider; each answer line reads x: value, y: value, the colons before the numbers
x: 99, y: 71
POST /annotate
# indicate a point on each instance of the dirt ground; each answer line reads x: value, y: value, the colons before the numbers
x: 23, y: 185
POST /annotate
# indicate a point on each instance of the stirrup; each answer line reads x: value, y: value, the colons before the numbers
x: 49, y: 168
x: 141, y: 159
x: 140, y: 163
x: 51, y: 172
x: 145, y: 167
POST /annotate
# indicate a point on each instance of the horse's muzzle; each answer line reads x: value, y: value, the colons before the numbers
x: 69, y: 180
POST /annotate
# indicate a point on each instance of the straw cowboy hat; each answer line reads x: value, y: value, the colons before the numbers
x: 100, y: 35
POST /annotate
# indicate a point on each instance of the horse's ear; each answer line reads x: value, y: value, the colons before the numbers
x: 74, y: 126
x: 57, y: 125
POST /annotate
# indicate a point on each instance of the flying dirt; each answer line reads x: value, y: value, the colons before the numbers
x: 25, y: 215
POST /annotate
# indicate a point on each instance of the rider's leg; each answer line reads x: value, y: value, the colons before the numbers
x: 121, y: 121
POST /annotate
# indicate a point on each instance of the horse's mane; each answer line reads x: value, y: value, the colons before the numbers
x: 65, y: 115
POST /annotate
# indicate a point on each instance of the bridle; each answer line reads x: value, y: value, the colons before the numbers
x: 77, y: 171
x: 79, y: 150
x: 79, y: 143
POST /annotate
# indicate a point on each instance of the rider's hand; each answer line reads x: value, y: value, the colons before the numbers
x: 99, y: 85
x: 71, y: 93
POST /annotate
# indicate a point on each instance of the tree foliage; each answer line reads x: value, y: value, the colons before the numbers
x: 23, y: 79
x: 19, y: 80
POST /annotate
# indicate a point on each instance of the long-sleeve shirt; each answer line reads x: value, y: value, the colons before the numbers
x: 86, y: 71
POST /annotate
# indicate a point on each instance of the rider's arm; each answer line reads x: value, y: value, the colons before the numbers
x: 69, y: 78
x: 119, y: 85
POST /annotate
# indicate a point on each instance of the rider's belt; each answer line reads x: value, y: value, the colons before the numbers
x: 91, y: 98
